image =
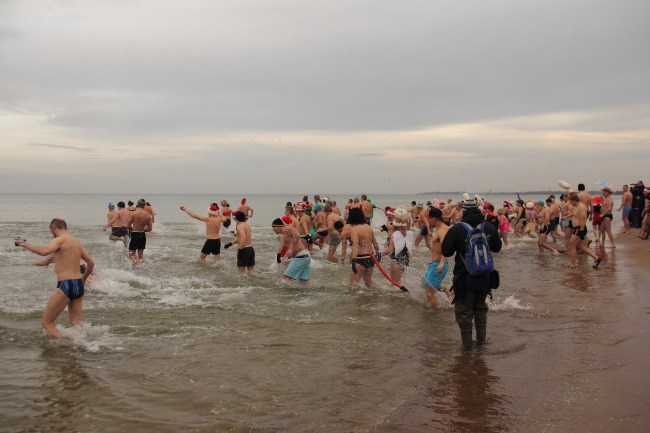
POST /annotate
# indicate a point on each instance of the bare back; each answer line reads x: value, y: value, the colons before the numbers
x: 363, y: 240
x: 67, y: 256
x: 213, y: 227
x: 141, y: 221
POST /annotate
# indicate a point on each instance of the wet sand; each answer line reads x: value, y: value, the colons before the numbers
x: 582, y: 370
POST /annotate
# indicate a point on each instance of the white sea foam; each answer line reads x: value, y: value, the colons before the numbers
x: 508, y: 304
x: 91, y: 337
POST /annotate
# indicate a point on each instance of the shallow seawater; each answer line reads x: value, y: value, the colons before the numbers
x: 175, y: 346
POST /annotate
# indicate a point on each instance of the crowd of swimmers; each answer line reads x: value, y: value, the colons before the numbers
x: 560, y: 225
x: 305, y: 225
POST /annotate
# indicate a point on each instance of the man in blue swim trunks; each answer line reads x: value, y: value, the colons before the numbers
x: 438, y: 267
x: 66, y: 252
x: 626, y: 207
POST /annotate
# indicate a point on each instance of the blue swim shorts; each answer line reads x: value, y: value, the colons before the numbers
x: 299, y: 268
x: 432, y: 278
x: 626, y: 211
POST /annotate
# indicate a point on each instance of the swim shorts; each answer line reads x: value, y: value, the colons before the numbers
x: 544, y: 230
x: 554, y: 223
x: 432, y: 278
x: 299, y: 268
x: 580, y: 233
x: 423, y: 231
x: 627, y: 210
x: 211, y: 246
x: 610, y: 216
x: 246, y: 257
x: 335, y: 240
x: 73, y: 289
x: 566, y: 223
x: 138, y: 241
x: 119, y: 231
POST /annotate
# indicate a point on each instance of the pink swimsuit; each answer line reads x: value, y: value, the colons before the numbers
x: 505, y: 225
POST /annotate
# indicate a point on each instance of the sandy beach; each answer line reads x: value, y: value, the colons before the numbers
x: 589, y: 374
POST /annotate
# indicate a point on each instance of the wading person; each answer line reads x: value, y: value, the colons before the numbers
x: 212, y: 222
x: 66, y: 252
x: 141, y: 222
x: 470, y: 291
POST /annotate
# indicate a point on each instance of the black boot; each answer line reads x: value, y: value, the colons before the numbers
x: 481, y: 334
x: 468, y: 344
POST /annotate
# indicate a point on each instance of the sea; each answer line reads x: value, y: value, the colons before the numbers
x: 175, y: 346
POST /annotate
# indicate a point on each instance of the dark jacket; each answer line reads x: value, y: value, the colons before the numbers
x: 454, y: 243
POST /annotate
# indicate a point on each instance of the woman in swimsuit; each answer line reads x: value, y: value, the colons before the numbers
x: 399, y: 246
x: 363, y: 240
x: 504, y: 226
x: 596, y: 219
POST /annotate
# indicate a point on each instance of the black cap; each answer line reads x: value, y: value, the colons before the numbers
x: 435, y: 213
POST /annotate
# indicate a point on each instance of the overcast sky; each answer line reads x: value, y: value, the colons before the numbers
x: 341, y: 96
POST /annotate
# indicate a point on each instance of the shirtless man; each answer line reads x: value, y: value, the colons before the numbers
x: 304, y: 225
x: 579, y: 236
x: 212, y: 222
x: 346, y: 235
x: 606, y: 210
x: 66, y: 252
x: 366, y: 207
x: 456, y: 214
x: 626, y: 208
x: 139, y: 224
x: 335, y: 208
x: 438, y: 267
x: 335, y: 224
x: 245, y: 251
x: 149, y: 209
x: 118, y: 221
x: 280, y: 226
x: 586, y: 199
x: 246, y: 209
x: 554, y: 217
x: 543, y: 216
x: 415, y: 213
x: 363, y: 241
x: 424, y: 231
x: 299, y: 258
x: 566, y: 211
x: 320, y: 224
x: 113, y: 221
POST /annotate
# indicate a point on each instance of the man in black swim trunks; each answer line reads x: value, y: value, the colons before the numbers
x: 579, y: 235
x: 139, y: 225
x: 66, y: 252
x: 606, y: 210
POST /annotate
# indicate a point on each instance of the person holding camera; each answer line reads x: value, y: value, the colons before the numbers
x: 66, y: 253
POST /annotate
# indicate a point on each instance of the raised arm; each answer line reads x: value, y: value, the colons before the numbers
x: 41, y: 251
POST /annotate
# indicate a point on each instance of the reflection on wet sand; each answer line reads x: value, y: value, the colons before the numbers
x: 473, y: 399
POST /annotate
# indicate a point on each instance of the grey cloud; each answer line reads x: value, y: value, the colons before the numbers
x: 289, y: 67
x: 62, y: 147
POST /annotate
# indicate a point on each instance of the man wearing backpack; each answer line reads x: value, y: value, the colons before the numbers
x: 471, y: 290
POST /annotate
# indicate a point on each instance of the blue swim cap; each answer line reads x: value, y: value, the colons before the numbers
x: 111, y: 206
x: 318, y: 207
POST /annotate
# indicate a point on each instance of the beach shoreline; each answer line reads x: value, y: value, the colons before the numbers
x: 516, y: 386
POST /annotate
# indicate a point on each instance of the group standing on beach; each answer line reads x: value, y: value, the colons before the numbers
x: 443, y: 225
